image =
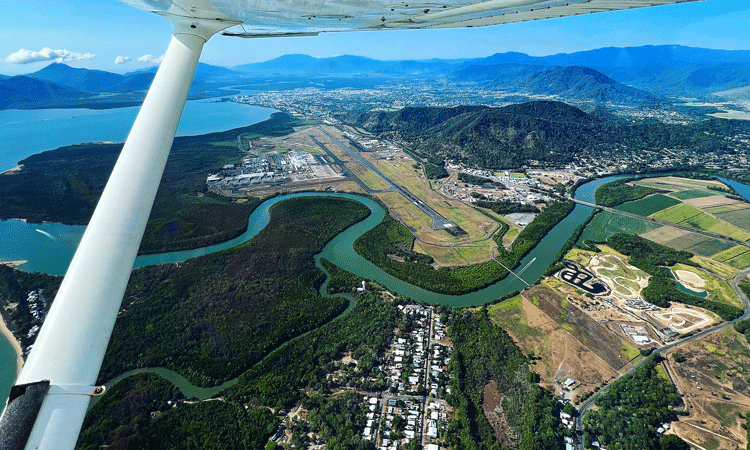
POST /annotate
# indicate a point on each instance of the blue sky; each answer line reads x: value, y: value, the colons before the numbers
x: 94, y: 33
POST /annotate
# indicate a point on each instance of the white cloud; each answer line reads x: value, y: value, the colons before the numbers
x: 122, y: 59
x: 24, y: 56
x: 151, y: 59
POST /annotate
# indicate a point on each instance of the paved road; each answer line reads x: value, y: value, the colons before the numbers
x: 663, y: 222
x: 735, y: 284
x: 438, y: 221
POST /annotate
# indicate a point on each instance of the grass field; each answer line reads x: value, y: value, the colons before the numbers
x: 677, y: 213
x: 737, y: 217
x: 405, y: 210
x: 370, y: 178
x: 606, y: 224
x: 445, y: 255
x: 580, y: 256
x: 510, y: 315
x: 692, y: 193
x: 723, y: 270
x: 648, y: 205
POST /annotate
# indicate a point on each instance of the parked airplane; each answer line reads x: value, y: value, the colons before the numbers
x: 47, y: 405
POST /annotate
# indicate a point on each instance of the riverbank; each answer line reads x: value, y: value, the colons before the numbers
x: 14, y: 343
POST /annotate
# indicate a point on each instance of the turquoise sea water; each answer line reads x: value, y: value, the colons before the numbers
x: 49, y: 246
x: 26, y: 132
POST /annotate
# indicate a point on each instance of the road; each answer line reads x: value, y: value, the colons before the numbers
x: 662, y: 222
x: 735, y: 285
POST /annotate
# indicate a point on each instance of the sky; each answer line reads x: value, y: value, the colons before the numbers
x: 112, y: 36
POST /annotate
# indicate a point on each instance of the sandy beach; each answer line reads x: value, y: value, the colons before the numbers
x: 14, y: 263
x: 16, y: 345
x: 13, y: 170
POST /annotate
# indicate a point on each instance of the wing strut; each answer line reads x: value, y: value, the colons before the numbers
x: 70, y: 347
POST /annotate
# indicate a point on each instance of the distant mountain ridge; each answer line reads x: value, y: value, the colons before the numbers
x: 662, y: 69
x: 632, y: 75
x: 59, y: 85
x: 21, y: 91
x: 570, y: 82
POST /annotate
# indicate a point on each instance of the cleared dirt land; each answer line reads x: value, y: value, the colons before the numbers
x: 713, y: 382
x: 559, y: 354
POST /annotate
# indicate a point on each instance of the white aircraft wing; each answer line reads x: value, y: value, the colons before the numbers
x: 295, y: 17
x: 48, y: 403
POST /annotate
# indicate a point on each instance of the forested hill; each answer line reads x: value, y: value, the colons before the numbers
x: 570, y: 82
x: 544, y: 131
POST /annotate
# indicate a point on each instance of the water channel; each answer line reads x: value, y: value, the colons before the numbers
x: 339, y: 250
x: 51, y: 251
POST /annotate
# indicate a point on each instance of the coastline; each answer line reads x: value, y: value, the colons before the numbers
x: 13, y: 342
x: 14, y: 263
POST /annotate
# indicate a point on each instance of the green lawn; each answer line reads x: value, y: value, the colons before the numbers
x: 649, y: 205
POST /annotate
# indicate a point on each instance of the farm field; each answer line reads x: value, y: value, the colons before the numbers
x: 605, y: 224
x: 692, y: 193
x: 648, y: 205
x: 677, y: 213
x: 740, y: 262
x: 737, y: 217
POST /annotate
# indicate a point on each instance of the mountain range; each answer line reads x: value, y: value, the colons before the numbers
x: 59, y: 85
x: 632, y: 76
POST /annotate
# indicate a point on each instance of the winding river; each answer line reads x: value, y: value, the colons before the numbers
x: 50, y: 247
x: 53, y: 245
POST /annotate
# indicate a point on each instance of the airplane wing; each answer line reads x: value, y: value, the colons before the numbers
x: 49, y: 401
x: 292, y: 17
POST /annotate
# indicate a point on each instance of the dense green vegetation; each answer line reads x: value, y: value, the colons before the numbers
x: 211, y: 318
x: 649, y: 256
x: 146, y: 411
x: 572, y: 241
x: 14, y: 288
x: 125, y: 410
x: 64, y: 185
x: 335, y: 419
x: 484, y: 353
x: 339, y: 280
x: 434, y: 171
x: 384, y: 245
x: 743, y: 327
x: 618, y: 192
x: 473, y: 179
x: 744, y: 286
x: 631, y: 410
x: 542, y: 131
x: 366, y: 332
x: 504, y: 207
